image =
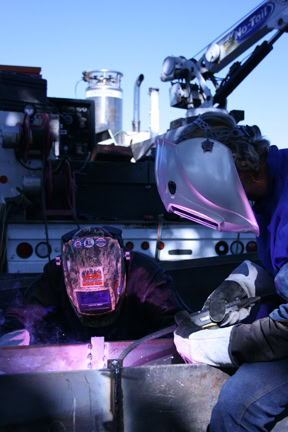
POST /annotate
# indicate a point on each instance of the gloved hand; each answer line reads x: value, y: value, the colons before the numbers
x: 246, y: 281
x: 208, y: 346
x: 15, y: 338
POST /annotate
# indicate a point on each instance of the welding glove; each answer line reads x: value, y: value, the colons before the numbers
x: 246, y: 281
x: 208, y: 346
x: 15, y: 338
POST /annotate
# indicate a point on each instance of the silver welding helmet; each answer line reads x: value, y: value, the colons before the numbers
x: 197, y: 179
x: 94, y: 274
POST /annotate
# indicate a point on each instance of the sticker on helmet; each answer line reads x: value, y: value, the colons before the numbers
x: 91, y: 277
x: 77, y: 244
x: 100, y: 242
x: 88, y: 242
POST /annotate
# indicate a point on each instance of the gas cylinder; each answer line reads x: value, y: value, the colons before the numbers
x: 105, y: 89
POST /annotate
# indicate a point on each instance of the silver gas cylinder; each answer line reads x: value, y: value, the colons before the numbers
x: 105, y: 89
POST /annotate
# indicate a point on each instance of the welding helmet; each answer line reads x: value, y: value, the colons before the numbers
x: 94, y: 272
x: 197, y: 180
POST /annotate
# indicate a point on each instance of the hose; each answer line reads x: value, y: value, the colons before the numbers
x: 146, y: 338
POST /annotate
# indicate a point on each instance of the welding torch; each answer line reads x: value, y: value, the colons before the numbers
x: 205, y: 318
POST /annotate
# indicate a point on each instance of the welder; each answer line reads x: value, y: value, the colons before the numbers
x: 210, y: 163
x: 96, y: 288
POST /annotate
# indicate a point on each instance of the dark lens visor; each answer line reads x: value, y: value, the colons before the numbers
x: 95, y: 301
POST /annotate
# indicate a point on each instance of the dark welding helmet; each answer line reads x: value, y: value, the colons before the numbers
x: 94, y: 273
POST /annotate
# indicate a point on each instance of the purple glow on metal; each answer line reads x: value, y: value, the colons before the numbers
x: 93, y: 355
x: 152, y: 352
x: 51, y: 358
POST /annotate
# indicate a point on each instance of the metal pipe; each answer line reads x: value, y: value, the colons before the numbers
x: 136, y: 118
x: 154, y: 111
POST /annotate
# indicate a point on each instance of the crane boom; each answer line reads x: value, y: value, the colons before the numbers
x: 190, y: 77
x: 272, y: 15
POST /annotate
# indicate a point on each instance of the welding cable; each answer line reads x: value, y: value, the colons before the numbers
x: 79, y: 171
x: 180, y: 302
x: 5, y: 210
x: 58, y: 167
x: 153, y: 336
x: 3, y: 235
x: 76, y: 85
x: 26, y: 166
x: 71, y: 193
x: 2, y: 221
x: 43, y: 204
x: 159, y: 234
x: 147, y: 338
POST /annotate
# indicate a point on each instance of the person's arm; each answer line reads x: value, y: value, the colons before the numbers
x: 45, y: 291
x: 154, y: 289
x: 263, y: 340
x: 39, y: 300
x: 161, y: 299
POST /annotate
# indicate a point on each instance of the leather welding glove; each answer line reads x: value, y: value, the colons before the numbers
x: 209, y: 346
x: 246, y: 281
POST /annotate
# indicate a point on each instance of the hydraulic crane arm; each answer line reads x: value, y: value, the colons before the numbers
x: 190, y: 76
x: 270, y: 15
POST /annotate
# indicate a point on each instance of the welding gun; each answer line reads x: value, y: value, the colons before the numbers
x: 206, y: 317
x: 214, y: 313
